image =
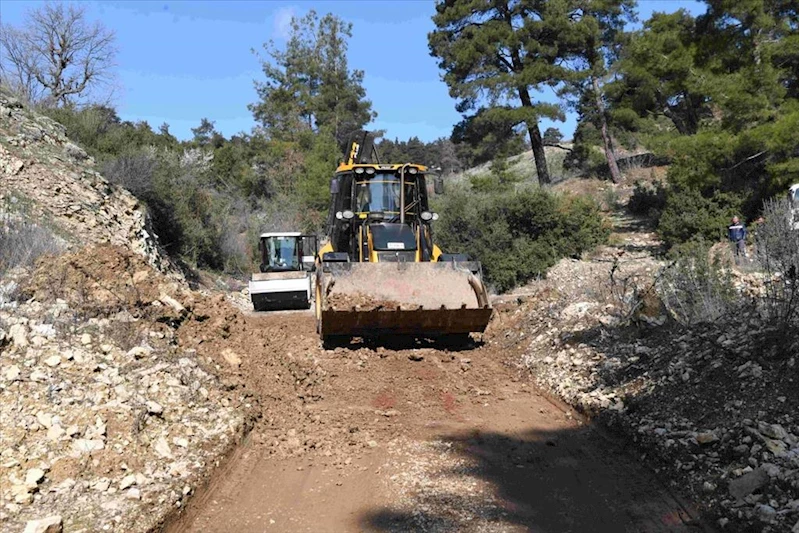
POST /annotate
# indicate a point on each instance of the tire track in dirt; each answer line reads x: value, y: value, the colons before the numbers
x: 363, y: 438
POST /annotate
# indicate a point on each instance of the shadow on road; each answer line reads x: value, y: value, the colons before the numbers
x: 572, y: 481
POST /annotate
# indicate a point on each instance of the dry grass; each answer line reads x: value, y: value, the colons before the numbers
x: 23, y: 242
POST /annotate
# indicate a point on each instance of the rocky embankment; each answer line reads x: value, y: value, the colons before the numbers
x: 57, y: 181
x: 713, y: 408
x: 108, y: 422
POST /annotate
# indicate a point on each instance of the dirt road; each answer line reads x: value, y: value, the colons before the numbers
x: 399, y: 438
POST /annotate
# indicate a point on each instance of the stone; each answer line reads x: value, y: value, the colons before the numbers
x: 102, y: 485
x: 162, y: 448
x: 766, y: 513
x: 171, y: 302
x: 140, y: 352
x: 66, y: 485
x: 38, y: 376
x: 231, y: 357
x: 775, y: 431
x: 414, y: 356
x: 179, y: 441
x: 82, y: 446
x: 51, y: 524
x: 777, y: 447
x: 76, y: 152
x: 741, y: 449
x: 127, y: 482
x: 85, y: 339
x: 748, y: 483
x: 12, y: 373
x: 771, y: 469
x: 44, y: 419
x: 706, y: 438
x: 53, y: 361
x: 19, y: 335
x: 22, y: 497
x: 154, y: 408
x: 34, y: 476
x: 55, y: 432
x: 133, y: 494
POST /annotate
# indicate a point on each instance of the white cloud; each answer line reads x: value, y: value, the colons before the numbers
x: 281, y: 22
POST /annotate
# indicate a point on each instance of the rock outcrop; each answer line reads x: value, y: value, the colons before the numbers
x: 57, y: 181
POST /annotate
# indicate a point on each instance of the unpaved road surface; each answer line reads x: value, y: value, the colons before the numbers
x: 410, y: 438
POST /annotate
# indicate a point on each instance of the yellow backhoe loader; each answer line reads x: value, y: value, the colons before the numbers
x: 380, y: 273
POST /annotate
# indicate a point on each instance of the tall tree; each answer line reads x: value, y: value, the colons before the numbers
x: 658, y: 75
x: 503, y: 51
x: 600, y: 23
x: 309, y: 85
x: 751, y: 47
x: 57, y: 55
x: 203, y: 132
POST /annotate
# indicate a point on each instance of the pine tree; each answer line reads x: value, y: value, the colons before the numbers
x: 309, y: 86
x: 503, y: 52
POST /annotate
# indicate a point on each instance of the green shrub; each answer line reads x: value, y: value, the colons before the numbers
x: 689, y: 216
x: 517, y: 236
x: 648, y: 199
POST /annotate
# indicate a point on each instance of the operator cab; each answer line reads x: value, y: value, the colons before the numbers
x: 369, y: 200
x: 287, y: 252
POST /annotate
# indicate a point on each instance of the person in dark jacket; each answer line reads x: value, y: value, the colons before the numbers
x: 736, y: 232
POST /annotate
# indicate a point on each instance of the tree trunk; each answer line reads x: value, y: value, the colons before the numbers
x: 615, y: 175
x: 535, y: 141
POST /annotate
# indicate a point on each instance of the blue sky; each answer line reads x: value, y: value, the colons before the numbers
x: 181, y: 61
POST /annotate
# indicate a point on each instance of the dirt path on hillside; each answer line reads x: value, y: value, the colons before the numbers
x: 399, y: 438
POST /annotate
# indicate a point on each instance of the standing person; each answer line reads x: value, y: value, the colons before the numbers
x: 736, y: 232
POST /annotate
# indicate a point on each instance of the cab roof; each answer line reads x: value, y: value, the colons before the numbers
x: 281, y: 234
x: 344, y: 167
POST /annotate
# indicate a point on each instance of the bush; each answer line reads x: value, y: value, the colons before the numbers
x: 648, y: 199
x: 777, y: 252
x: 696, y: 288
x: 517, y: 236
x: 689, y: 216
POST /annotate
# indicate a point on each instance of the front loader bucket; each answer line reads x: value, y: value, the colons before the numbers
x: 394, y: 298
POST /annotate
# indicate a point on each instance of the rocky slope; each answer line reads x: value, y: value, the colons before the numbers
x: 56, y: 179
x: 108, y: 421
x: 714, y: 407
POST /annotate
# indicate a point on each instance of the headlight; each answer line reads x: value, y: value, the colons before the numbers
x: 427, y: 215
x: 339, y: 215
x: 435, y: 216
x: 359, y: 170
x: 348, y: 215
x: 370, y: 170
x: 412, y: 170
